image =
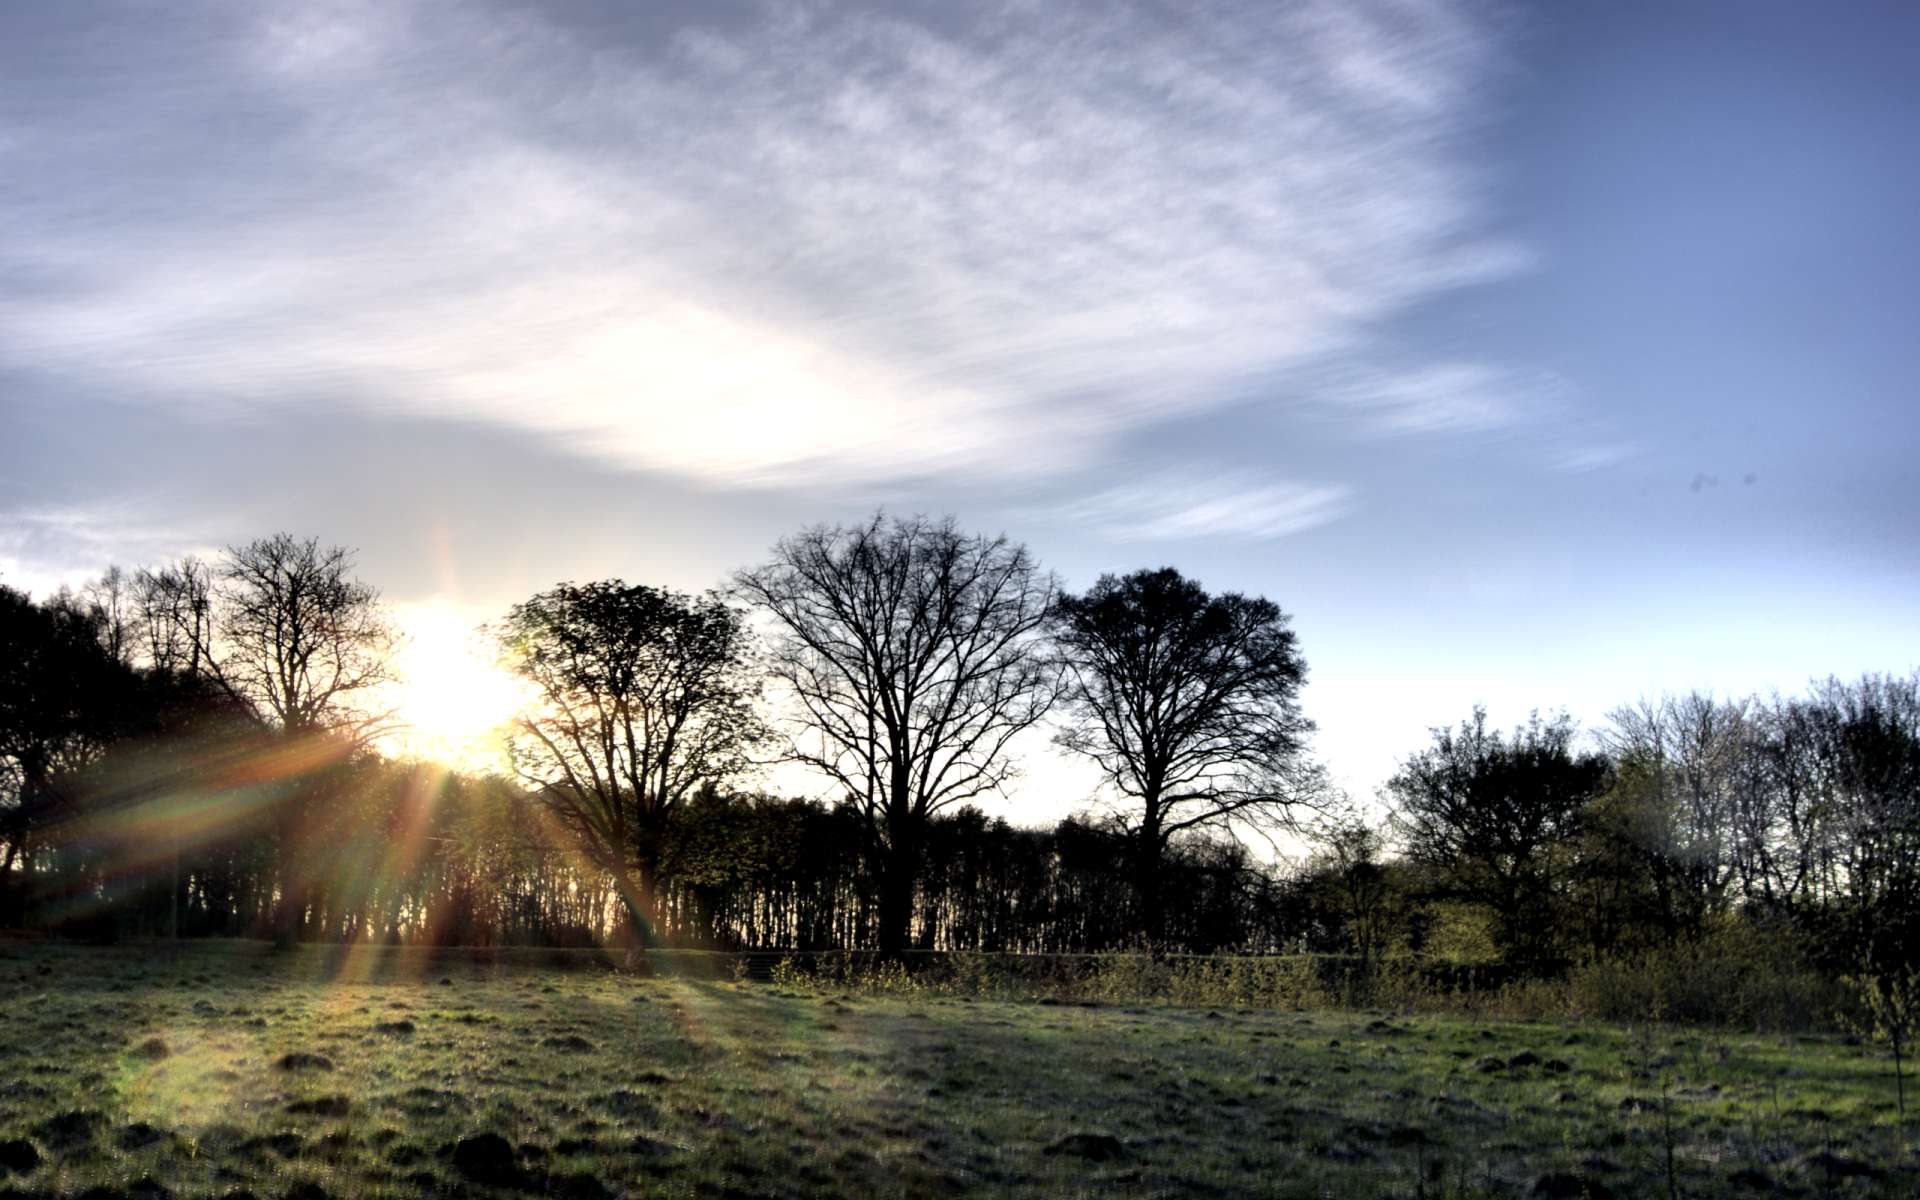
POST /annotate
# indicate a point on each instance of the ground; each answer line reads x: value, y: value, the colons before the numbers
x: 228, y: 1070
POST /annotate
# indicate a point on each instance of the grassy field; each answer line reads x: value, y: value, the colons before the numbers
x: 227, y: 1070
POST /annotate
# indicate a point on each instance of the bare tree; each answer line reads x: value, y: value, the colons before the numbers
x: 914, y: 654
x: 1189, y: 705
x: 1869, y: 744
x: 1688, y: 761
x: 642, y: 696
x: 301, y: 641
x: 110, y: 599
x: 304, y: 646
x: 173, y: 617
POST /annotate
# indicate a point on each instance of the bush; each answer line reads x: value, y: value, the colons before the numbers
x: 1738, y: 973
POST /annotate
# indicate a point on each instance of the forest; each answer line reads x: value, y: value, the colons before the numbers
x: 193, y: 749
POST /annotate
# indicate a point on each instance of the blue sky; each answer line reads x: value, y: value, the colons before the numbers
x: 1546, y: 355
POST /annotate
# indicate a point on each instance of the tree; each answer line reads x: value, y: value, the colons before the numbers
x: 1189, y: 705
x: 301, y: 641
x: 1496, y: 819
x: 304, y: 646
x: 63, y: 697
x: 1686, y: 783
x: 1868, y: 744
x: 109, y: 599
x: 642, y: 696
x: 913, y: 654
x: 173, y: 617
x: 1888, y: 1008
x: 1363, y: 892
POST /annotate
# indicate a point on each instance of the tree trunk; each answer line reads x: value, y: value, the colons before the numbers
x: 286, y: 916
x: 897, y: 879
x: 1146, y: 881
x: 633, y: 897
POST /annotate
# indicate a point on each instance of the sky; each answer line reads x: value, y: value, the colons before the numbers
x: 1541, y: 356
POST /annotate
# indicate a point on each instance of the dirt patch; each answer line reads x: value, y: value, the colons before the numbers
x: 1094, y: 1147
x: 301, y: 1060
x: 488, y: 1159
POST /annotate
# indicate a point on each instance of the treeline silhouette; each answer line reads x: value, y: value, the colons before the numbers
x: 192, y: 750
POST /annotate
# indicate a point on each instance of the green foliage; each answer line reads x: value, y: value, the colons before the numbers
x: 1889, y: 1011
x: 1496, y: 818
x: 1738, y: 974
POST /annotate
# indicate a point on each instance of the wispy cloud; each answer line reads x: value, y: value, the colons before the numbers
x: 1595, y: 457
x: 1445, y: 397
x: 1175, y: 507
x: 44, y: 549
x: 809, y: 244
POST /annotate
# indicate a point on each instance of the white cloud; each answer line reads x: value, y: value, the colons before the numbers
x: 1174, y: 507
x: 1446, y: 397
x: 45, y: 549
x: 809, y: 245
x: 1596, y: 457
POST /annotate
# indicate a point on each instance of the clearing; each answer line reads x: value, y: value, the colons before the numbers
x: 227, y: 1070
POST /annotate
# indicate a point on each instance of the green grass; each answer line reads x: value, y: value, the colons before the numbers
x: 608, y: 1084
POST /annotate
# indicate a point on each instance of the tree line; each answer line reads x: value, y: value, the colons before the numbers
x: 192, y: 748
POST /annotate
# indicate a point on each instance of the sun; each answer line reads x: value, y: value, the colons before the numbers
x: 449, y: 698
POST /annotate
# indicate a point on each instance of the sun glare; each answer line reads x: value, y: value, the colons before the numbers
x: 450, y: 698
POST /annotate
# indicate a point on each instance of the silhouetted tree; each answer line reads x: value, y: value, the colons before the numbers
x: 110, y: 601
x: 913, y: 654
x: 1189, y: 704
x: 173, y: 616
x: 642, y: 696
x: 300, y: 640
x: 1358, y: 885
x: 304, y: 645
x: 1867, y: 739
x: 63, y: 698
x: 1496, y: 819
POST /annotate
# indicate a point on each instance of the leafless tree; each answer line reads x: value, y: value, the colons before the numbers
x: 642, y: 696
x: 1869, y: 744
x: 110, y: 599
x: 301, y: 641
x: 1189, y: 705
x: 913, y: 654
x: 1689, y: 758
x: 304, y: 646
x: 173, y: 616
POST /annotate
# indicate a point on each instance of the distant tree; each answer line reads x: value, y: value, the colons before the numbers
x: 63, y: 698
x: 642, y: 696
x: 1189, y: 705
x: 173, y: 617
x: 1496, y: 819
x: 301, y: 640
x: 110, y: 601
x: 1867, y: 743
x: 913, y: 654
x: 304, y: 646
x: 1360, y: 884
x: 1685, y: 770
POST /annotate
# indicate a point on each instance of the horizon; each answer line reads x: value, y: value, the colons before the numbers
x: 1534, y: 359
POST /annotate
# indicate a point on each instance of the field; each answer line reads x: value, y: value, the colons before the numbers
x: 228, y: 1070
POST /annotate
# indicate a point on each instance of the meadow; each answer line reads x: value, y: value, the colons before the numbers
x: 228, y: 1070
